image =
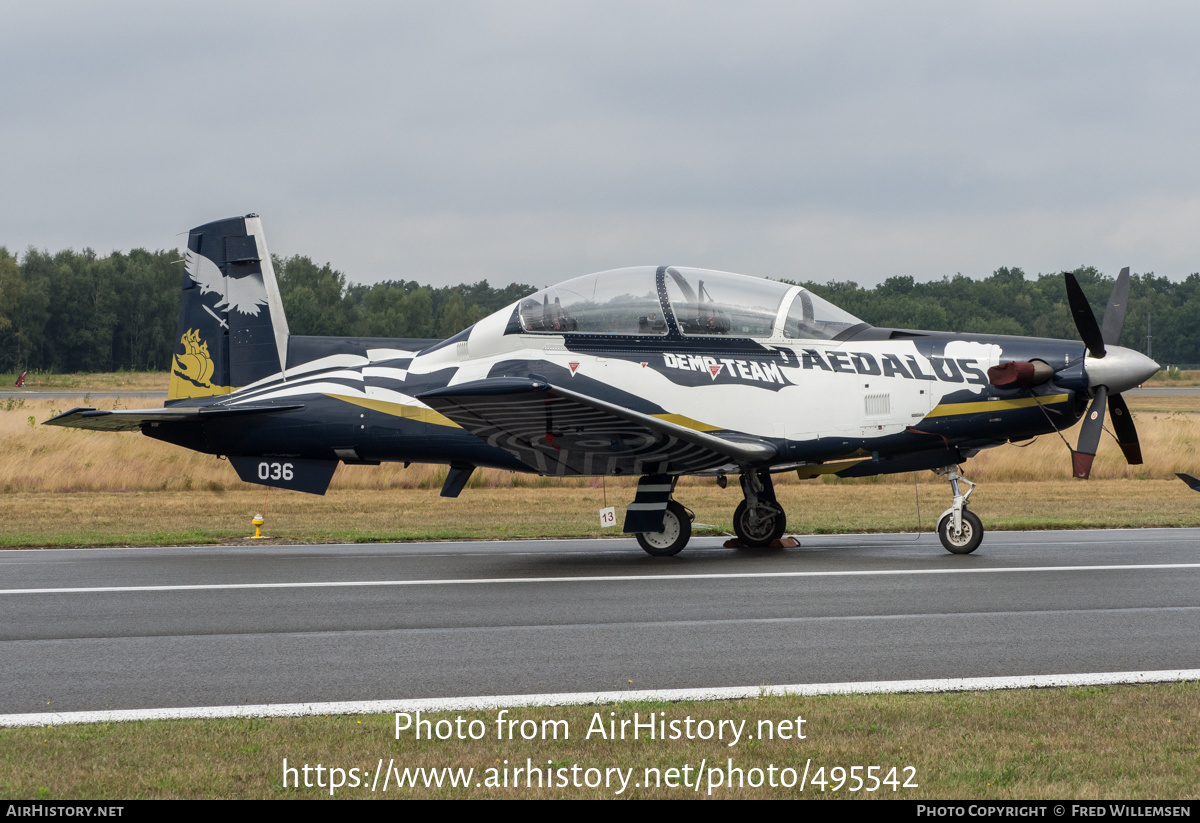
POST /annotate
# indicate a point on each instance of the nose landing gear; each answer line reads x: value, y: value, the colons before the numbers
x: 960, y: 531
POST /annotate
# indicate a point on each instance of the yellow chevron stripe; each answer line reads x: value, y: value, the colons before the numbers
x: 809, y: 472
x: 687, y: 422
x: 417, y: 413
x: 948, y: 409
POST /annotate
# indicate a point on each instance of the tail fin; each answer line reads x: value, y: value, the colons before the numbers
x: 232, y: 330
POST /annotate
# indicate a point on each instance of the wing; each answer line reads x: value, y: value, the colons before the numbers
x: 123, y: 420
x: 560, y: 432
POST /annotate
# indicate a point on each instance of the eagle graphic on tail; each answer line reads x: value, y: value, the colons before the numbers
x: 246, y: 295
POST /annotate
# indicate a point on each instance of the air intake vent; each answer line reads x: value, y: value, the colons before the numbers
x: 878, y: 405
x: 461, y: 350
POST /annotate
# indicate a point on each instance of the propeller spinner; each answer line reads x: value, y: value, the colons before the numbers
x: 1110, y: 370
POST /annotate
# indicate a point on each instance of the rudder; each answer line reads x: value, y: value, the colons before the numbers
x: 232, y: 330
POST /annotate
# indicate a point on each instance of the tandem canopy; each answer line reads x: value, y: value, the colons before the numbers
x: 649, y: 301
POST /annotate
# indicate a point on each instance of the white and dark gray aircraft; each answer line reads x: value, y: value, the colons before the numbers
x: 652, y: 372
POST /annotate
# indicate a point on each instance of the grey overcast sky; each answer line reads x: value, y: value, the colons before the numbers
x: 534, y: 141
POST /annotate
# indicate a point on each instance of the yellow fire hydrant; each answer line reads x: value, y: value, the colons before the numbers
x: 257, y: 521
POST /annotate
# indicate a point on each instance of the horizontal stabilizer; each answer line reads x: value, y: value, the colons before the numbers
x: 122, y: 420
x: 560, y: 432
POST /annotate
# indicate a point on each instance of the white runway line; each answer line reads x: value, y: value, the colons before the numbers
x: 443, y: 704
x: 612, y: 578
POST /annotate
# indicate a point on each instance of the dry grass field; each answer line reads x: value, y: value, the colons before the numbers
x: 367, y: 515
x: 1174, y: 377
x: 98, y: 381
x: 72, y: 487
x: 157, y: 381
x: 36, y: 458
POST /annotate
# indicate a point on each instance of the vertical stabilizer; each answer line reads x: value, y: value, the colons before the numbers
x: 232, y: 330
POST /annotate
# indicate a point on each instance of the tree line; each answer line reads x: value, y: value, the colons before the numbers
x: 78, y: 312
x: 1008, y: 302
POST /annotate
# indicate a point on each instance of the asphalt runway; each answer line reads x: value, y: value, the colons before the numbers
x: 96, y: 629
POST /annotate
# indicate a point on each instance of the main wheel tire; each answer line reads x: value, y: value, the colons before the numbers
x: 967, y: 540
x: 766, y: 530
x: 677, y: 530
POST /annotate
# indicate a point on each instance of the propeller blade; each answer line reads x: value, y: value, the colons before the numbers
x: 1127, y: 437
x: 1085, y: 321
x: 1114, y: 314
x: 1192, y: 482
x: 1089, y: 435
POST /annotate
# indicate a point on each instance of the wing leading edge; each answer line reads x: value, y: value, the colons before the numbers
x: 560, y: 432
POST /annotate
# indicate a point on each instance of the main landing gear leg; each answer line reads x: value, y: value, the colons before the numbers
x: 759, y: 519
x: 652, y: 502
x: 959, y: 529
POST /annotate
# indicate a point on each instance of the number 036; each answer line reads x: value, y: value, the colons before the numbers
x: 274, y: 471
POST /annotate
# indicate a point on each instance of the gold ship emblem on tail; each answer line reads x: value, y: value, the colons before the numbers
x: 194, y: 365
x: 191, y: 374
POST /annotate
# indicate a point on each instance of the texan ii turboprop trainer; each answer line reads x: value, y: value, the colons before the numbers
x: 649, y: 372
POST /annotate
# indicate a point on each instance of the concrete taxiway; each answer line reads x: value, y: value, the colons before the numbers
x: 94, y: 629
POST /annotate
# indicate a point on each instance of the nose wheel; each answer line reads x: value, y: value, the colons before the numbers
x: 960, y: 530
x: 966, y: 539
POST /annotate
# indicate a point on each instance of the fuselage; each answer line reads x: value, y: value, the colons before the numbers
x: 817, y: 383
